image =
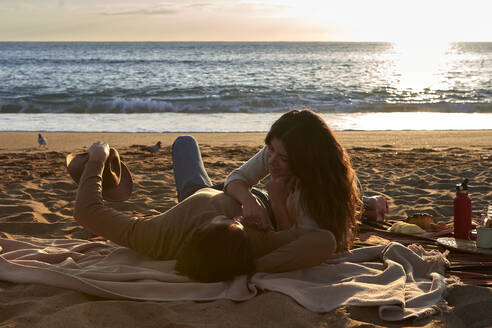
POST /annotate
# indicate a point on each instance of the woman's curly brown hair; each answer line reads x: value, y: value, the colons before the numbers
x: 329, y: 191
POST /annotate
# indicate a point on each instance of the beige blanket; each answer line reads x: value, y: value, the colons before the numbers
x: 392, y: 277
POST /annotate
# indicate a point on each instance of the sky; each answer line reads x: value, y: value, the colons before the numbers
x: 246, y: 20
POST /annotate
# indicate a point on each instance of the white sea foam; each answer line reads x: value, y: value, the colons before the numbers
x: 237, y: 122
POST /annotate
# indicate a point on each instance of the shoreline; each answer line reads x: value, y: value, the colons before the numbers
x: 414, y: 139
x: 176, y: 122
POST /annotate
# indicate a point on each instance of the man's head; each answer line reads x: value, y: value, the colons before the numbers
x: 216, y: 251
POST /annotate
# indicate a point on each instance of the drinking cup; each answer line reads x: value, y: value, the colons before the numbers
x: 484, y: 237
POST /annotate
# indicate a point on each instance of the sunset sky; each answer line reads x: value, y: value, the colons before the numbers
x: 246, y: 20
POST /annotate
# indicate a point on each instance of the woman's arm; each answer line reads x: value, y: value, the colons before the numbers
x: 253, y: 212
x: 238, y: 185
x: 251, y: 172
x: 306, y: 248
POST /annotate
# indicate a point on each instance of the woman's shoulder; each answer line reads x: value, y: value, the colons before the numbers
x: 255, y: 169
x: 260, y: 156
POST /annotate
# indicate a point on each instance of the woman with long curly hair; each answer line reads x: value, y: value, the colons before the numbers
x: 312, y: 183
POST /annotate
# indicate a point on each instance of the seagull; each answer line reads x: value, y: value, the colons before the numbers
x: 41, y: 140
x: 154, y: 148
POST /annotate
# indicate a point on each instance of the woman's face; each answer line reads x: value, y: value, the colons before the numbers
x: 278, y: 160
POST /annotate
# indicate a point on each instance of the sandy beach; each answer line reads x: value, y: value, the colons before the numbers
x: 415, y: 170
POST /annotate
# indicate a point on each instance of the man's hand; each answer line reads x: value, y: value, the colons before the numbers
x: 99, y: 151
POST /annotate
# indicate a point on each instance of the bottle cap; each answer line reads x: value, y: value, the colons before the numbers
x: 462, y: 186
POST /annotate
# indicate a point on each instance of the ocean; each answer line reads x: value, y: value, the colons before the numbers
x: 242, y: 86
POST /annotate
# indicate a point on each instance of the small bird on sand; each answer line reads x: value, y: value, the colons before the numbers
x: 154, y: 148
x: 41, y: 140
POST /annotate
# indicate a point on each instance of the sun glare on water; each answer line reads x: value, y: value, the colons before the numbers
x: 419, y: 64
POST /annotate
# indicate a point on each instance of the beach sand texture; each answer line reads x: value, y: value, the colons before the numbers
x: 415, y: 170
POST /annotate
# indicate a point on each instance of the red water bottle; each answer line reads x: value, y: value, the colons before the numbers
x: 462, y: 211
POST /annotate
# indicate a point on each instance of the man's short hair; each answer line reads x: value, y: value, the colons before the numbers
x: 216, y: 252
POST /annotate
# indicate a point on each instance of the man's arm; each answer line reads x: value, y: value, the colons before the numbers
x: 306, y: 248
x: 141, y: 235
x: 90, y: 211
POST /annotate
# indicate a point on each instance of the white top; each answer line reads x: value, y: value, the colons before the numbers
x: 254, y: 170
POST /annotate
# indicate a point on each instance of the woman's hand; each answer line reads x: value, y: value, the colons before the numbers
x: 99, y: 151
x: 280, y: 187
x: 254, y: 214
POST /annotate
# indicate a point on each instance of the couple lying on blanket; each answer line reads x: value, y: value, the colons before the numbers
x: 216, y: 233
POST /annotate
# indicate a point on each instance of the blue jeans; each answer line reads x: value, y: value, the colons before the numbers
x: 189, y: 171
x: 190, y: 174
